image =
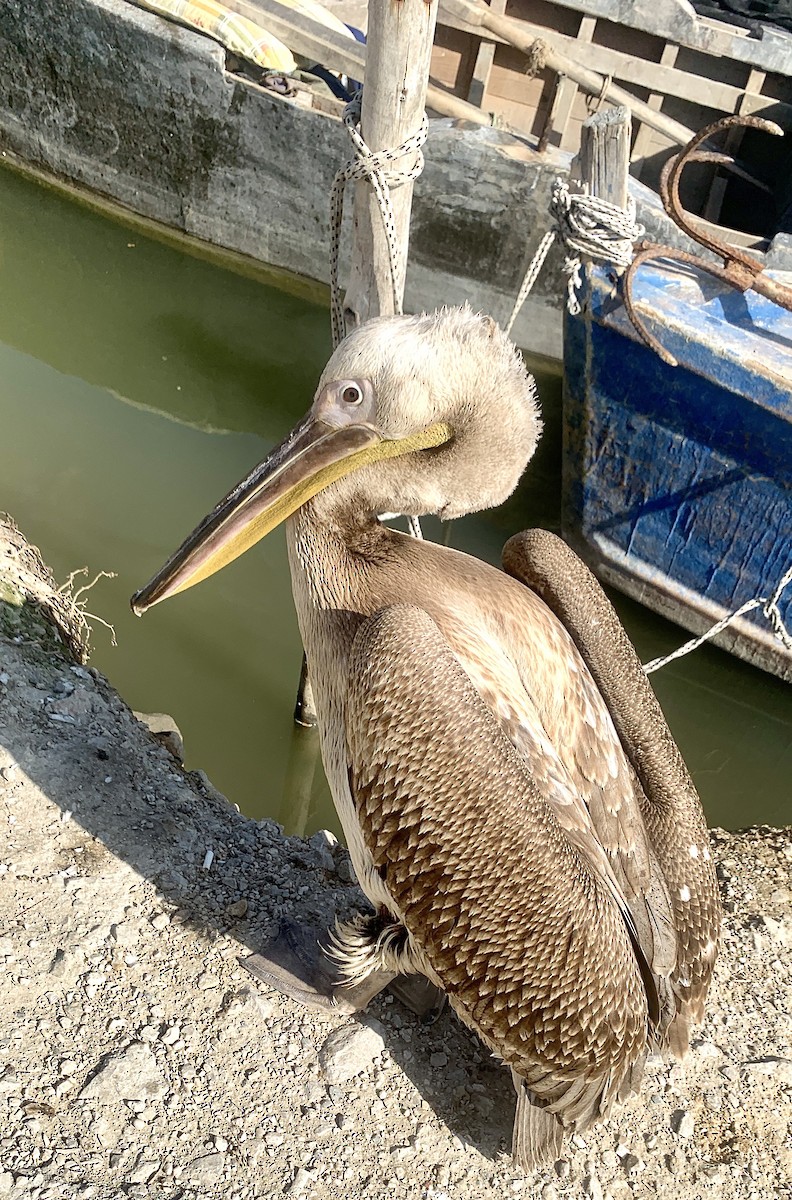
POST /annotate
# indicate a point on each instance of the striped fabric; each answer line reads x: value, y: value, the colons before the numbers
x: 236, y: 33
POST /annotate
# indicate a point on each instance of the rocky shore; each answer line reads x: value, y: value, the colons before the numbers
x: 138, y: 1058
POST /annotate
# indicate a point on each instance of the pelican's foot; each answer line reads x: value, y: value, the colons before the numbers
x: 295, y: 964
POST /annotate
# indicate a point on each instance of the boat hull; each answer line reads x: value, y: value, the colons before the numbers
x: 678, y: 480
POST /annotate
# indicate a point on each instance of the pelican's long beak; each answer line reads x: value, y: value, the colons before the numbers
x: 315, y: 454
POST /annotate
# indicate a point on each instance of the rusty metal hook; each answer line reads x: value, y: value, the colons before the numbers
x: 739, y: 269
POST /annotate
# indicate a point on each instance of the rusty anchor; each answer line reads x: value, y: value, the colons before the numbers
x: 739, y: 268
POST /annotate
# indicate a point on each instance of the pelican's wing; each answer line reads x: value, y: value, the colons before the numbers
x: 670, y: 806
x: 521, y: 922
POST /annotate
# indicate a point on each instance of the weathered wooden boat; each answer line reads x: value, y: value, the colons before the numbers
x: 678, y: 478
x: 108, y: 98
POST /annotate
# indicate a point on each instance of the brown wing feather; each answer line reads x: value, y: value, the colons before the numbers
x: 669, y: 803
x: 511, y: 913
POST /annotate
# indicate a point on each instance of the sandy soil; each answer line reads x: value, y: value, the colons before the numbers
x: 137, y: 1058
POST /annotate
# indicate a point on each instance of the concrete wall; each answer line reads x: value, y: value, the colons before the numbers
x: 114, y: 99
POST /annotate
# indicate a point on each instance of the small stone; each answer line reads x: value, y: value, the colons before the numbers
x: 438, y: 1060
x: 345, y: 871
x: 207, y: 982
x: 6, y: 1183
x: 170, y: 1035
x: 132, y: 1074
x: 237, y: 909
x: 301, y: 1181
x: 633, y: 1165
x: 68, y: 1067
x: 220, y: 1143
x: 682, y: 1123
x: 351, y: 1049
x: 160, y: 921
x: 144, y: 1170
x: 204, y: 1171
x: 562, y: 1168
x: 549, y: 1192
x: 592, y: 1187
x: 610, y: 1159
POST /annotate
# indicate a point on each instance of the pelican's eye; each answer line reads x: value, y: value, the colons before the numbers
x: 352, y: 394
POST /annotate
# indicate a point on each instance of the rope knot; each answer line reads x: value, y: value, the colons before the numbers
x: 377, y: 167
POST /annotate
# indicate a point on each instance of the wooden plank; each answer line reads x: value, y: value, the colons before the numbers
x: 730, y: 145
x: 483, y: 64
x: 646, y: 138
x: 315, y: 41
x: 398, y: 51
x: 564, y: 98
x: 658, y: 77
x: 546, y: 49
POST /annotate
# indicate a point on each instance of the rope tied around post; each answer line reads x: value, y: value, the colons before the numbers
x: 585, y: 225
x: 375, y: 166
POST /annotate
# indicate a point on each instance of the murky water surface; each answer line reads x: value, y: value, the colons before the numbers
x: 137, y: 384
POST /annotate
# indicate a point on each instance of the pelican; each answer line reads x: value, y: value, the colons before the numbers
x: 515, y: 807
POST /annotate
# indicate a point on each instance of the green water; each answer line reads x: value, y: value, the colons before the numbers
x: 138, y: 384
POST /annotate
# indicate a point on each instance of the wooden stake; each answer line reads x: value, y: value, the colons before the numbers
x: 605, y: 155
x: 398, y: 50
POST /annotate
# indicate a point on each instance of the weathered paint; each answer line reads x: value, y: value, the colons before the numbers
x: 678, y: 480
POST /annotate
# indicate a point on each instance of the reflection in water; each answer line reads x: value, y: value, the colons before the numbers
x: 90, y: 314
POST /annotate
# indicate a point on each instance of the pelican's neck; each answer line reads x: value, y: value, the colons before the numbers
x: 334, y: 563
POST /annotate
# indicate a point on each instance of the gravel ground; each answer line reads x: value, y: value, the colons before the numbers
x: 137, y: 1058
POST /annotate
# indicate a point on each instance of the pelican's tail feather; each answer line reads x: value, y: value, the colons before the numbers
x: 538, y: 1134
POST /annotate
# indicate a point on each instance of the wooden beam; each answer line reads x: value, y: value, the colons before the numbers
x: 545, y: 49
x: 399, y: 47
x: 315, y: 41
x: 566, y: 90
x: 644, y: 136
x: 484, y: 60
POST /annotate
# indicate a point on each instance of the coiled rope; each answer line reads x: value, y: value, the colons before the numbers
x: 585, y: 225
x: 374, y: 166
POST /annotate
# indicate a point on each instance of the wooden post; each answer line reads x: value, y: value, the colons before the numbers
x: 605, y: 155
x: 398, y: 50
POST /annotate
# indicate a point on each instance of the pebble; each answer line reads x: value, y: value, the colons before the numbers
x: 301, y: 1181
x: 549, y: 1192
x: 170, y: 1035
x: 207, y: 982
x: 160, y: 921
x: 204, y: 1171
x: 682, y: 1123
x: 144, y: 1170
x: 592, y: 1187
x: 131, y: 1074
x: 351, y: 1049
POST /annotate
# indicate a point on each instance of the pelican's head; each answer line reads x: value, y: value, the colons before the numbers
x: 427, y: 414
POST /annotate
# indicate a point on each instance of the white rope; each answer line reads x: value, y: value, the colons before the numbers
x: 585, y: 225
x: 769, y: 605
x: 371, y: 166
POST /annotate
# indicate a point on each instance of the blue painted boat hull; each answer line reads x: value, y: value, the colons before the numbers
x: 678, y: 480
